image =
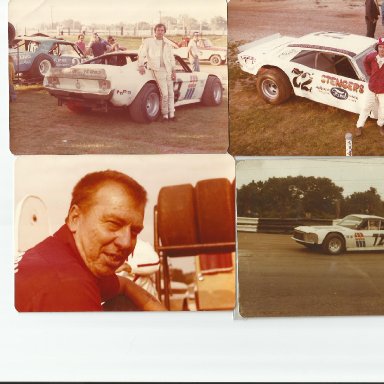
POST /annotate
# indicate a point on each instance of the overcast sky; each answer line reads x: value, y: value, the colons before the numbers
x: 32, y: 12
x: 354, y: 174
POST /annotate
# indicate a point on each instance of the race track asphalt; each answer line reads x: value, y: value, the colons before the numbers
x: 278, y: 277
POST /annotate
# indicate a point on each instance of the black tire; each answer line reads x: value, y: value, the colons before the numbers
x: 11, y: 33
x: 146, y: 106
x: 333, y: 244
x: 77, y: 107
x: 41, y: 65
x: 274, y: 86
x: 215, y: 60
x: 213, y: 92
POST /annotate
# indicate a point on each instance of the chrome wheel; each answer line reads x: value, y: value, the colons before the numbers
x: 44, y: 67
x: 270, y: 89
x: 153, y: 105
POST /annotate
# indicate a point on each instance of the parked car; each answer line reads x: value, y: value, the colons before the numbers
x: 34, y: 56
x: 113, y: 80
x: 326, y: 67
x: 353, y: 233
x: 207, y: 51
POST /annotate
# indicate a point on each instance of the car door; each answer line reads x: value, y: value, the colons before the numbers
x: 188, y: 85
x: 329, y: 78
x: 370, y: 234
x: 378, y: 234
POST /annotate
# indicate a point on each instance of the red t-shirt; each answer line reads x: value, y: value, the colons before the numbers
x: 52, y: 277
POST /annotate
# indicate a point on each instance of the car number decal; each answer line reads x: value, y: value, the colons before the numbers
x: 176, y: 88
x: 360, y: 239
x: 379, y: 239
x: 302, y: 80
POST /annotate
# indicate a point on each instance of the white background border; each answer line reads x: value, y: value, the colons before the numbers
x: 169, y: 346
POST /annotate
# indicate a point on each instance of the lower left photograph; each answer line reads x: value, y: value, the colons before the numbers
x: 124, y: 233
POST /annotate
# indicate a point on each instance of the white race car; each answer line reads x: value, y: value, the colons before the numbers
x: 113, y: 80
x: 353, y: 233
x: 326, y: 67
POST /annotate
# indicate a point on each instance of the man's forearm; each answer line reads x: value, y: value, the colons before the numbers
x: 143, y: 299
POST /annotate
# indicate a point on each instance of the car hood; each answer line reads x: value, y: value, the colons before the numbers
x: 265, y: 45
x: 318, y: 228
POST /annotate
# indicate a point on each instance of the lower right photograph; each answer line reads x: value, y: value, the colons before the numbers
x: 310, y: 236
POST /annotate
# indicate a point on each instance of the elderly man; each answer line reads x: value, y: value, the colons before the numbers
x: 193, y: 52
x: 161, y: 61
x: 74, y: 270
x: 374, y: 93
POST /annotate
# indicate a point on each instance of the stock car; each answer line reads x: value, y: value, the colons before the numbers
x: 326, y: 67
x: 207, y: 51
x: 112, y: 80
x: 353, y: 233
x: 33, y: 56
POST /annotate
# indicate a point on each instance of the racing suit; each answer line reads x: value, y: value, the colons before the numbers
x: 374, y: 66
x: 161, y: 61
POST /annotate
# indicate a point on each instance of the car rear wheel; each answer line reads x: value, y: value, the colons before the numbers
x: 274, y: 86
x: 213, y: 92
x: 77, y: 107
x: 42, y: 64
x: 215, y: 60
x: 146, y: 106
x: 333, y: 244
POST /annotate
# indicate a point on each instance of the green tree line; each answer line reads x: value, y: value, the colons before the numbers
x: 300, y: 196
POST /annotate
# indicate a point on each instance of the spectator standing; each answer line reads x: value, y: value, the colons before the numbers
x: 193, y: 52
x: 372, y: 13
x: 80, y: 43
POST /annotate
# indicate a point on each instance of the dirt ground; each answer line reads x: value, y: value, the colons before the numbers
x: 39, y: 126
x: 253, y: 19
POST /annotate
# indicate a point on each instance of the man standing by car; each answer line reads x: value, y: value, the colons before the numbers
x: 74, y: 270
x: 160, y: 59
x: 374, y: 66
x: 372, y: 13
x: 193, y: 52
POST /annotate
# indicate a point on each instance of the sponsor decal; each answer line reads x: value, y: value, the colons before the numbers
x: 302, y: 80
x: 339, y: 93
x: 342, y: 83
x: 248, y: 60
x: 191, y: 87
x: 360, y: 239
x: 123, y: 92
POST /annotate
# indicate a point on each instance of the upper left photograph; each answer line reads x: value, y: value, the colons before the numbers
x: 120, y: 77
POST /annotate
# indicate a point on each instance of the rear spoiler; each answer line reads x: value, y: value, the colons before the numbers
x: 257, y: 42
x: 78, y: 73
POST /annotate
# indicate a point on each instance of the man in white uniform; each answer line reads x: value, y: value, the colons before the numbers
x: 160, y: 59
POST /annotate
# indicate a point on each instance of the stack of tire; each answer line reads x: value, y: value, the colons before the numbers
x: 197, y: 215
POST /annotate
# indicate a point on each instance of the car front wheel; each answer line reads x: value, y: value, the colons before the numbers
x: 333, y: 244
x: 42, y: 64
x: 273, y: 86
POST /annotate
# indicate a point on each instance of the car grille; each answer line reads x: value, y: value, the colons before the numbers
x: 298, y: 235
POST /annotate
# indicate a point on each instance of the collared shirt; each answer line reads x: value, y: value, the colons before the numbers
x: 52, y: 277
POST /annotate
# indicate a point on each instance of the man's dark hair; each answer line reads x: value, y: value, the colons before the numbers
x: 159, y: 26
x: 87, y: 187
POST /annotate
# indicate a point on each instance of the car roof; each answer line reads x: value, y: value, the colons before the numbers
x: 366, y: 216
x: 41, y: 39
x: 346, y: 43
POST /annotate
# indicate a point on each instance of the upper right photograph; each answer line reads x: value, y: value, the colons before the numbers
x: 306, y: 78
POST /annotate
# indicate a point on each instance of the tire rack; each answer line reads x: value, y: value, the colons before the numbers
x: 180, y: 251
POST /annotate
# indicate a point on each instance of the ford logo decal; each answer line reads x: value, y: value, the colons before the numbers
x: 339, y: 93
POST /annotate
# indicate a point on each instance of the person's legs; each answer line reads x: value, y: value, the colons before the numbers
x: 170, y: 97
x: 161, y: 79
x: 368, y: 106
x: 380, y: 117
x: 371, y: 27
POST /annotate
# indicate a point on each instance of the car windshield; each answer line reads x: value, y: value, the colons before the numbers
x: 350, y: 221
x: 205, y: 43
x: 360, y: 60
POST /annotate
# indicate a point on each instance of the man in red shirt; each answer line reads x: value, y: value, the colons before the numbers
x: 374, y: 67
x: 74, y: 270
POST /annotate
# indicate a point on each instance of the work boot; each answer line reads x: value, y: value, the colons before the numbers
x: 358, y: 131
